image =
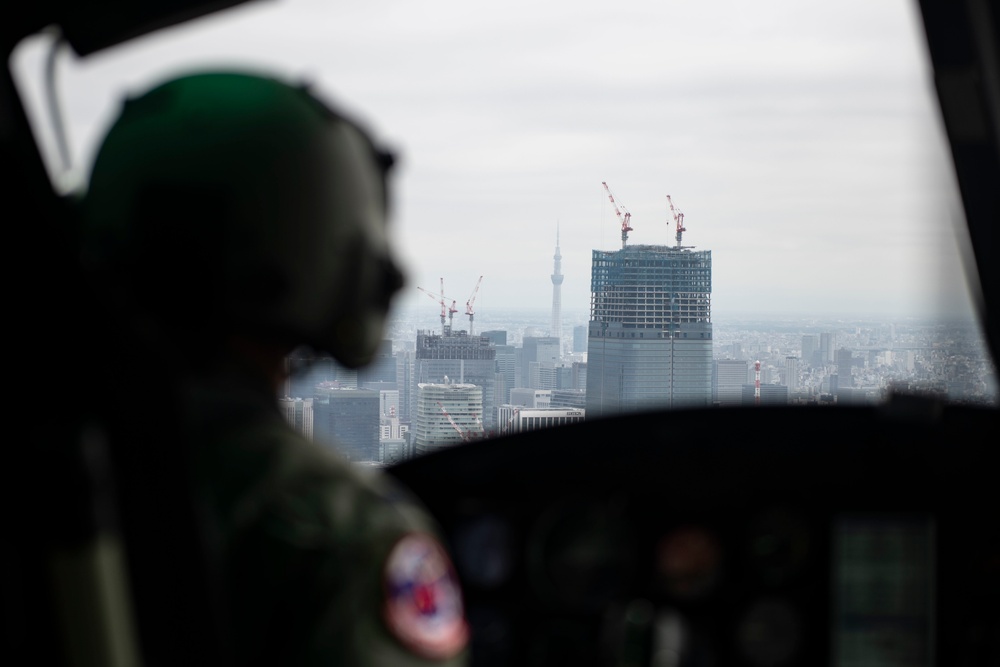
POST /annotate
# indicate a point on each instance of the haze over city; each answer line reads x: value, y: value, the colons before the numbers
x: 800, y: 139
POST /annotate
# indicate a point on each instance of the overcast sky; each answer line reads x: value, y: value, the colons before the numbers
x: 800, y: 138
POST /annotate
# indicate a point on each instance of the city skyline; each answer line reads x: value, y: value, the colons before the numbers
x: 801, y: 140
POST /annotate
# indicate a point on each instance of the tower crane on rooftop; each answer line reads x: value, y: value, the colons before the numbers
x: 626, y: 228
x: 472, y: 300
x: 445, y: 329
x: 679, y: 220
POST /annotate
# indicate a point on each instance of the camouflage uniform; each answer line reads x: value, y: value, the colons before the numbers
x: 229, y: 208
x: 306, y: 541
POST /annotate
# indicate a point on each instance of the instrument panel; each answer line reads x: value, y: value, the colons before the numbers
x: 645, y: 541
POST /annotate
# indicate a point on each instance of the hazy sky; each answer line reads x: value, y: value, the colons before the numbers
x: 799, y: 137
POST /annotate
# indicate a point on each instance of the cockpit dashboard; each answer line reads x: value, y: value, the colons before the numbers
x: 759, y: 537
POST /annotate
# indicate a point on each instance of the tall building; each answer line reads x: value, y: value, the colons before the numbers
x: 508, y: 364
x: 579, y: 338
x: 844, y: 358
x: 496, y: 336
x: 348, y: 419
x: 388, y: 402
x: 544, y: 349
x: 650, y: 330
x: 557, y: 280
x: 792, y: 374
x: 447, y: 414
x: 728, y: 378
x: 457, y: 358
x: 826, y: 344
x: 543, y: 375
x: 810, y: 344
x: 299, y: 413
x: 405, y: 364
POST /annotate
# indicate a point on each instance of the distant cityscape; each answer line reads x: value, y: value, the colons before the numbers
x: 647, y: 342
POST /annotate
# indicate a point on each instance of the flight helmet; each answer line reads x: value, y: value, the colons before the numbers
x: 230, y: 202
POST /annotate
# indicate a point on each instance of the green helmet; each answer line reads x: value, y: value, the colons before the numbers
x: 235, y: 203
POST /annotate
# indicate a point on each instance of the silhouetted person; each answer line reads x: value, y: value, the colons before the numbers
x: 234, y: 218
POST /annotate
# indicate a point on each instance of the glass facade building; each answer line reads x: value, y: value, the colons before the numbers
x: 457, y: 358
x: 649, y: 339
x: 447, y: 415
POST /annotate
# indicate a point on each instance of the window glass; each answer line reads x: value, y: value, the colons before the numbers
x: 799, y: 144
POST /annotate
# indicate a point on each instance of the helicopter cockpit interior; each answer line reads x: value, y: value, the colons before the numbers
x: 762, y: 537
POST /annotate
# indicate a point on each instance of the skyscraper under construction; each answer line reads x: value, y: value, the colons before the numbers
x: 649, y: 340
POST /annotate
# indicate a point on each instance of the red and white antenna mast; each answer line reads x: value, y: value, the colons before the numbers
x: 626, y: 228
x: 756, y: 383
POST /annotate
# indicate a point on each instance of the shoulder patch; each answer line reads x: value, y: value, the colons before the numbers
x: 423, y: 600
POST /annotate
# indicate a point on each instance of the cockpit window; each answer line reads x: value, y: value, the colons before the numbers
x: 608, y: 207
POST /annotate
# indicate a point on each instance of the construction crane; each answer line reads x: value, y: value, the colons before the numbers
x: 678, y: 219
x: 623, y: 218
x: 445, y: 312
x: 463, y: 434
x: 451, y: 311
x: 468, y: 304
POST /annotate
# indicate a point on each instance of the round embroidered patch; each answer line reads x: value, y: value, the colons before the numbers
x: 423, y: 601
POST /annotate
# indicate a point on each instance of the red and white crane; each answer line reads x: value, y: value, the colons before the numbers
x: 624, y: 218
x: 449, y: 312
x: 472, y: 300
x: 465, y: 435
x: 678, y: 219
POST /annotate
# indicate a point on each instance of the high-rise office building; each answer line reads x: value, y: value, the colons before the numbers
x: 457, y: 358
x: 446, y: 415
x: 792, y: 374
x: 299, y: 413
x: 557, y: 280
x: 844, y: 359
x: 579, y: 338
x: 388, y: 402
x: 543, y: 375
x: 810, y: 344
x: 405, y: 363
x: 496, y: 336
x: 728, y: 378
x: 508, y: 364
x: 826, y: 343
x: 543, y: 349
x: 348, y: 419
x: 650, y: 330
